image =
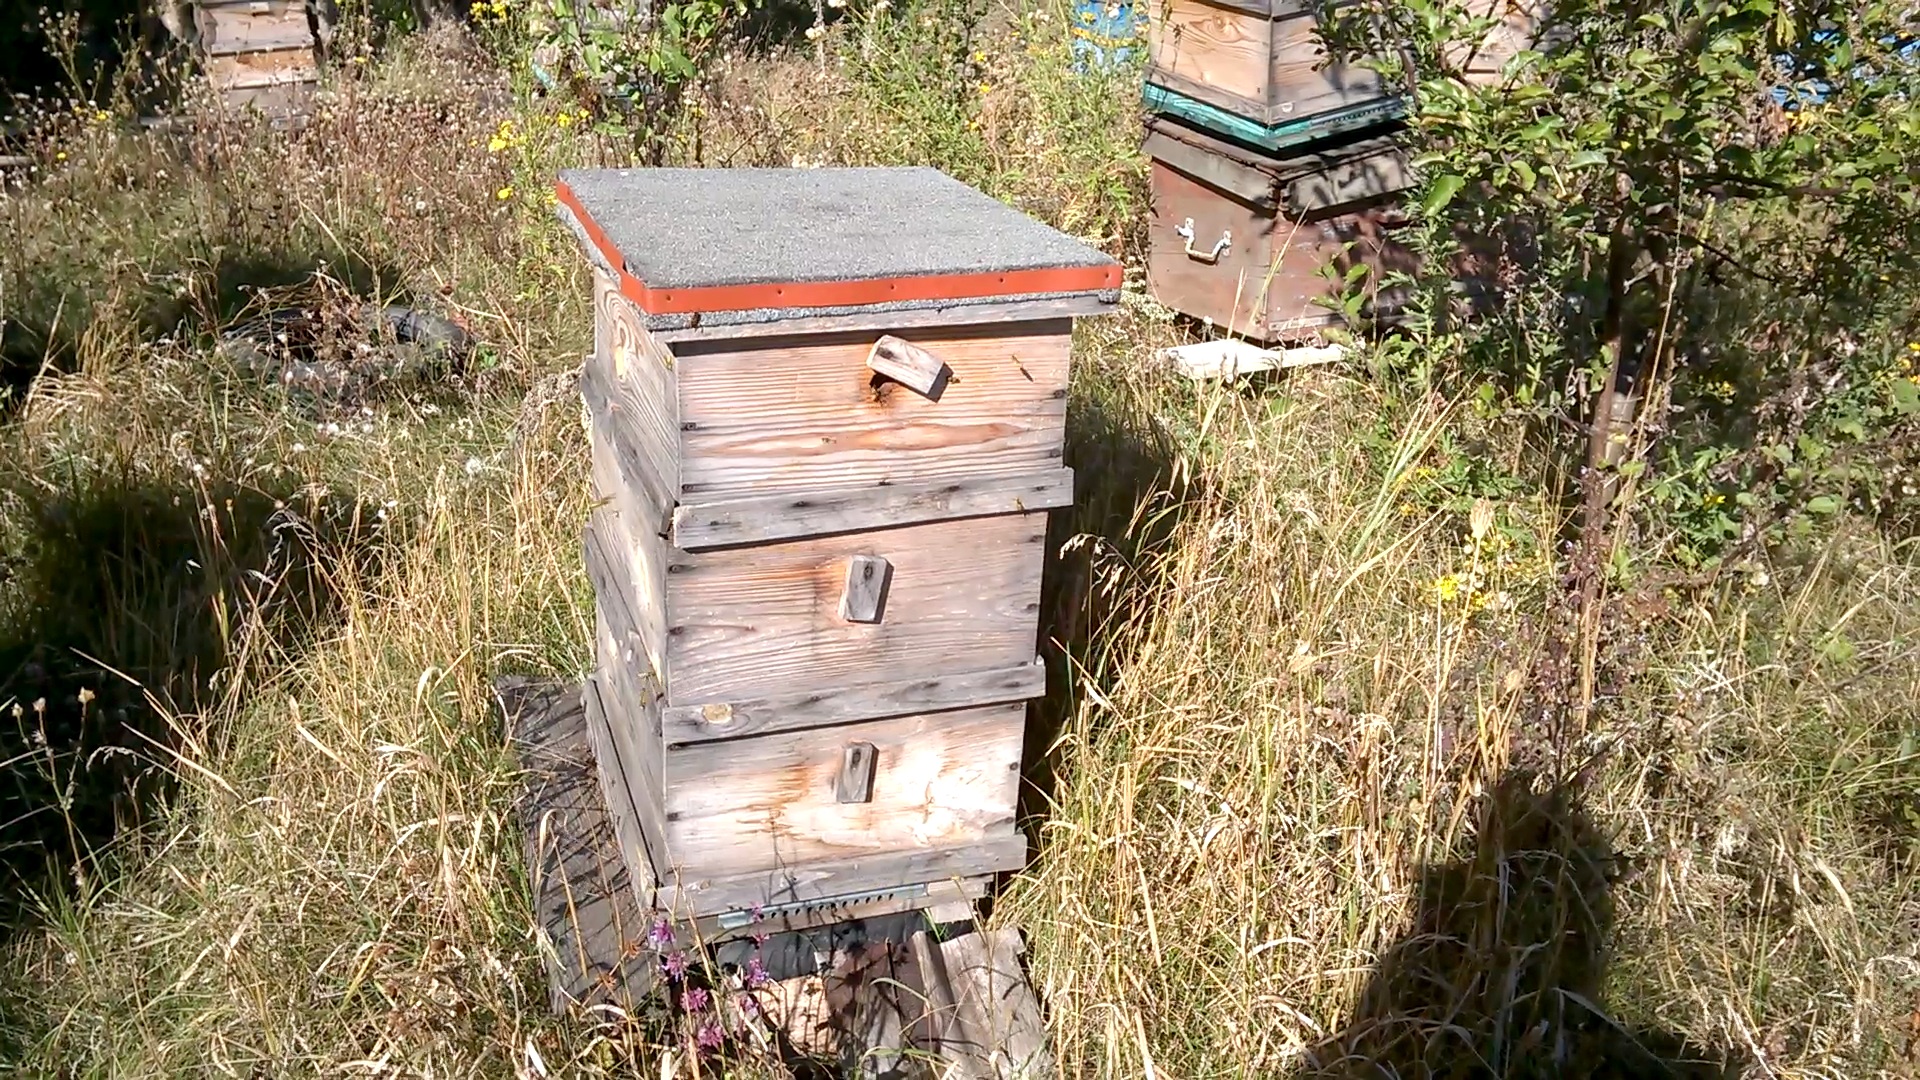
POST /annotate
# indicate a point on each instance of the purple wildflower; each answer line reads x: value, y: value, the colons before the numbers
x: 749, y: 1006
x: 756, y: 973
x: 695, y: 999
x: 710, y: 1036
x: 675, y: 965
x: 660, y: 934
x: 759, y: 938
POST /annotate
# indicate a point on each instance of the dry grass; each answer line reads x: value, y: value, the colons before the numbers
x: 1303, y: 811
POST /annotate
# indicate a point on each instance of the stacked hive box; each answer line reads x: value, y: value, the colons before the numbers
x: 1274, y: 173
x: 827, y: 412
x: 257, y: 52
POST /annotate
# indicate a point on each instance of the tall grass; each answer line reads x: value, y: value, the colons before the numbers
x: 1307, y: 798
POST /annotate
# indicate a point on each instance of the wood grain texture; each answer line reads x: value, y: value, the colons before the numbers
x: 754, y: 622
x: 998, y: 1030
x: 1040, y: 309
x: 695, y: 895
x: 633, y: 700
x: 626, y: 534
x: 801, y: 415
x: 686, y: 724
x: 1271, y: 284
x: 623, y: 756
x: 700, y: 525
x: 939, y: 780
x: 630, y: 383
x: 1220, y: 49
x: 257, y: 70
x: 1269, y: 68
x: 228, y: 29
x: 592, y: 925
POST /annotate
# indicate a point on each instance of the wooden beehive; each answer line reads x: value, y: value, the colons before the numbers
x: 257, y: 52
x: 1262, y: 246
x: 1257, y: 70
x: 827, y: 412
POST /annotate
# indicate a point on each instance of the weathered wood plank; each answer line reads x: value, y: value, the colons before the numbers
x: 632, y: 696
x: 999, y: 313
x: 1219, y: 49
x: 864, y: 597
x: 753, y: 622
x: 1273, y: 282
x: 234, y: 28
x: 259, y: 70
x: 630, y: 809
x: 632, y: 556
x: 802, y: 415
x: 908, y: 364
x: 999, y: 1030
x: 685, y: 724
x: 636, y: 377
x: 700, y: 524
x: 939, y: 780
x: 593, y: 927
x: 695, y: 895
x: 1268, y: 67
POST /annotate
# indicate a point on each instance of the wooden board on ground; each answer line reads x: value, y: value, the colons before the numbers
x: 1230, y: 358
x: 983, y: 1019
x: 593, y: 929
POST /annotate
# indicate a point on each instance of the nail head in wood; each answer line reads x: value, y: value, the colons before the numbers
x: 908, y: 364
x: 866, y: 592
x: 856, y: 773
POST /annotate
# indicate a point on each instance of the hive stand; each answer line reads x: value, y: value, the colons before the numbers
x: 874, y: 997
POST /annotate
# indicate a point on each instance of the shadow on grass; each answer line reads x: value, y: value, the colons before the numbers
x: 1125, y: 502
x: 1503, y: 970
x: 126, y: 612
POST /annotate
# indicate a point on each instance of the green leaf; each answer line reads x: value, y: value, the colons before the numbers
x: 1906, y: 397
x: 1823, y: 505
x: 1524, y: 172
x: 1541, y: 128
x: 1586, y: 159
x: 1442, y: 192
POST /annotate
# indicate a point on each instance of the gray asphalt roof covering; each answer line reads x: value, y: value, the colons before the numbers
x: 688, y: 228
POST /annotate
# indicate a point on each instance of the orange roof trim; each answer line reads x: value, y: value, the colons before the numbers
x: 820, y: 294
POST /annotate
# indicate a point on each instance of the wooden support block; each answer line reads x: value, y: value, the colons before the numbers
x: 910, y: 365
x: 856, y: 773
x: 593, y: 929
x: 996, y: 1030
x: 866, y: 593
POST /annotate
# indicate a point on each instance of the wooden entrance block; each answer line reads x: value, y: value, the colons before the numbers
x: 827, y: 410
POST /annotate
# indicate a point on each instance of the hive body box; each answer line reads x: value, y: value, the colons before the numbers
x: 257, y: 51
x: 827, y: 412
x: 1272, y: 240
x: 1257, y: 70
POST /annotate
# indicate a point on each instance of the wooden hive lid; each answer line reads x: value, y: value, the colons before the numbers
x: 714, y: 247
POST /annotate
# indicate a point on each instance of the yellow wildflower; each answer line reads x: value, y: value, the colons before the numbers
x: 985, y: 89
x: 1446, y: 587
x: 563, y: 118
x: 1713, y: 499
x: 504, y: 193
